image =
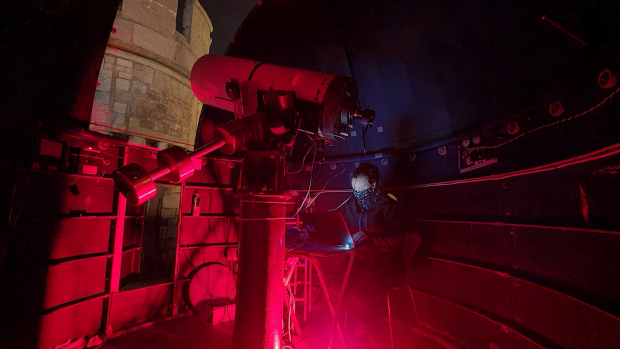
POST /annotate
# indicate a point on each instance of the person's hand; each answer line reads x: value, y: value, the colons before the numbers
x: 360, y: 238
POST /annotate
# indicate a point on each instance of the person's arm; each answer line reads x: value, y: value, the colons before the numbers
x: 393, y: 220
x: 351, y: 217
x: 400, y: 232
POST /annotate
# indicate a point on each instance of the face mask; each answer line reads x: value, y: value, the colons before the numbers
x: 364, y: 195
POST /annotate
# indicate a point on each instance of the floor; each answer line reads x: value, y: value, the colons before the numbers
x: 187, y: 332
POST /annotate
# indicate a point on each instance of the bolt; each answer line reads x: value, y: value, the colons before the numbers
x: 412, y: 156
x: 477, y: 140
x: 231, y: 164
x: 442, y: 150
x: 307, y: 167
x: 332, y: 166
x: 556, y: 108
x: 384, y: 161
x: 103, y: 145
x: 606, y: 79
x: 466, y: 143
x: 513, y: 128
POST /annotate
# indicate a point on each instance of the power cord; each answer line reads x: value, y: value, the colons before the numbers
x: 321, y: 192
x: 309, y: 185
x: 304, y: 159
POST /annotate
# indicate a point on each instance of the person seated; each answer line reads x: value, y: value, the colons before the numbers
x: 384, y: 245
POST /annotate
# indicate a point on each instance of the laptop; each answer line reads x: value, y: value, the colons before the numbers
x: 328, y: 229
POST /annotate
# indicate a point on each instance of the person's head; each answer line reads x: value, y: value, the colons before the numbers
x: 365, y: 181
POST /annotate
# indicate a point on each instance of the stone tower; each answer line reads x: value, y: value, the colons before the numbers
x: 144, y: 81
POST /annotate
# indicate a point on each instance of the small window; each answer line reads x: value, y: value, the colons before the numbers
x: 184, y: 17
x: 180, y: 8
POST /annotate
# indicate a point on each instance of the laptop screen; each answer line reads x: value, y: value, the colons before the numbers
x: 330, y: 228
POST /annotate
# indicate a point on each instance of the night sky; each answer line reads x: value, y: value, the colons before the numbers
x: 226, y: 16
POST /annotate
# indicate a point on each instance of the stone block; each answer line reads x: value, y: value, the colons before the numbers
x: 175, y: 127
x: 138, y: 87
x: 175, y: 134
x: 185, y: 105
x: 120, y: 108
x: 133, y: 122
x: 123, y: 84
x: 143, y: 73
x: 200, y: 35
x: 184, y: 57
x: 170, y: 4
x: 105, y: 80
x: 154, y: 96
x: 155, y: 42
x: 155, y: 89
x: 154, y: 15
x: 124, y: 29
x: 176, y: 88
x: 158, y: 126
x: 121, y: 69
x: 102, y: 97
x: 124, y: 97
x: 162, y: 108
x: 137, y: 140
x: 162, y: 81
x: 108, y: 66
x: 124, y: 63
x: 100, y: 113
x: 187, y: 95
x: 108, y: 58
x: 147, y: 124
x: 155, y: 114
x: 125, y: 75
x: 175, y: 111
x: 119, y: 119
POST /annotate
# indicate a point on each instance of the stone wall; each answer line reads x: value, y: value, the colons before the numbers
x: 144, y: 80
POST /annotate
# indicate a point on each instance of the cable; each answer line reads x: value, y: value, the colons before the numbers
x: 320, y: 192
x: 339, y: 206
x: 304, y: 159
x: 358, y: 144
x: 364, y: 138
x: 309, y: 184
x: 548, y: 125
x: 329, y: 134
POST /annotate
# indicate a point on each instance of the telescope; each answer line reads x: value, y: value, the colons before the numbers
x: 270, y: 103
